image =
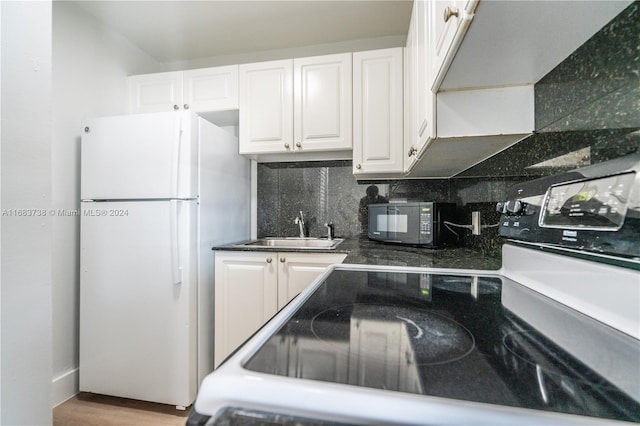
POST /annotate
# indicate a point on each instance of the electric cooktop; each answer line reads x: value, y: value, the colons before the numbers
x: 459, y: 337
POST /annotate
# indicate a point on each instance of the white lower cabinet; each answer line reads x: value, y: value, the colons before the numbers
x: 297, y: 270
x: 246, y: 296
x: 251, y: 287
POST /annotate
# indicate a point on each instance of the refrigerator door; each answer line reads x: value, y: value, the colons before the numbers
x: 140, y: 156
x: 138, y: 316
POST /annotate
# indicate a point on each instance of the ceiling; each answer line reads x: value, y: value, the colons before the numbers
x: 172, y: 31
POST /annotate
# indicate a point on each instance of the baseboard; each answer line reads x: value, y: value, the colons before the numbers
x: 64, y: 387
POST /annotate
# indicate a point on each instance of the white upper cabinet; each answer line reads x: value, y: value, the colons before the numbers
x: 450, y: 131
x: 301, y: 106
x: 483, y: 67
x: 447, y: 132
x: 199, y: 90
x: 469, y: 71
x: 424, y: 126
x: 378, y: 113
x: 410, y: 98
x: 420, y: 100
x: 512, y: 43
x: 266, y: 107
x: 449, y: 20
x: 211, y: 89
x: 322, y: 102
x: 155, y: 92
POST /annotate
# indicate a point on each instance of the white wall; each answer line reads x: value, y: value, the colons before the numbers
x: 0, y: 209
x: 25, y: 371
x: 90, y: 65
x: 0, y: 220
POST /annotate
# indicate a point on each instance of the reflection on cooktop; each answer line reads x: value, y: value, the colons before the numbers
x: 430, y: 337
x: 545, y: 359
x: 440, y: 335
x: 468, y: 285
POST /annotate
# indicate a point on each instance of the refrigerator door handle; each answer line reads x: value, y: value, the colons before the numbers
x: 176, y: 269
x: 175, y: 167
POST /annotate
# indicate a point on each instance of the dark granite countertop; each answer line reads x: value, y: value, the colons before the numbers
x: 367, y: 252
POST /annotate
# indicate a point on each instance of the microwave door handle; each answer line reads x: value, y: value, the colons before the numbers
x: 391, y: 211
x: 392, y: 232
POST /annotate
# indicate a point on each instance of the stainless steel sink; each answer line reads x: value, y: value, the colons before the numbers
x: 297, y: 243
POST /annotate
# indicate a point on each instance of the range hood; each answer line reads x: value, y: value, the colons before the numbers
x: 497, y: 118
x: 485, y: 99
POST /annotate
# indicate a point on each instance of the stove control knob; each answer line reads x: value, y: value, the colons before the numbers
x: 514, y: 207
x: 528, y: 209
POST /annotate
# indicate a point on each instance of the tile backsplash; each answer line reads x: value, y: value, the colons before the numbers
x: 328, y: 192
x: 598, y: 85
x: 587, y: 111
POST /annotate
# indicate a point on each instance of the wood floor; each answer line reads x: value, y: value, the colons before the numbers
x: 87, y: 409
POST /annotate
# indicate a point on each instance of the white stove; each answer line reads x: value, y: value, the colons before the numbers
x: 551, y: 338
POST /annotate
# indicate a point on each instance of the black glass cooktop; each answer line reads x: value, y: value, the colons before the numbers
x: 483, y: 339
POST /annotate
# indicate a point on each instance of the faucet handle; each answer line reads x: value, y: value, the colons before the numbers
x: 300, y: 222
x: 329, y: 226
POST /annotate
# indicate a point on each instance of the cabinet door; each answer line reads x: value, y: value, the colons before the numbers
x: 211, y: 89
x: 424, y: 126
x: 245, y: 297
x: 266, y: 107
x: 296, y: 271
x: 322, y: 103
x: 378, y: 111
x: 410, y: 98
x: 447, y: 16
x: 155, y: 92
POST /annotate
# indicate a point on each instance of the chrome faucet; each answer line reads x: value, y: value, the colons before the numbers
x: 329, y: 231
x: 299, y: 220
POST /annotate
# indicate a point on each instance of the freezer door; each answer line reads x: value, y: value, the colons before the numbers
x: 140, y: 156
x: 138, y: 299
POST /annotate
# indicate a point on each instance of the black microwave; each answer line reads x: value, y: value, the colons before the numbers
x: 416, y: 223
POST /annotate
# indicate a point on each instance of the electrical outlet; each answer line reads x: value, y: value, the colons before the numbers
x: 475, y: 223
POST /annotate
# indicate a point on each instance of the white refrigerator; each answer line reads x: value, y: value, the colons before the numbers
x: 158, y: 192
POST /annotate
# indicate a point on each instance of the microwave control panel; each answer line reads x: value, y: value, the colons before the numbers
x: 426, y: 221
